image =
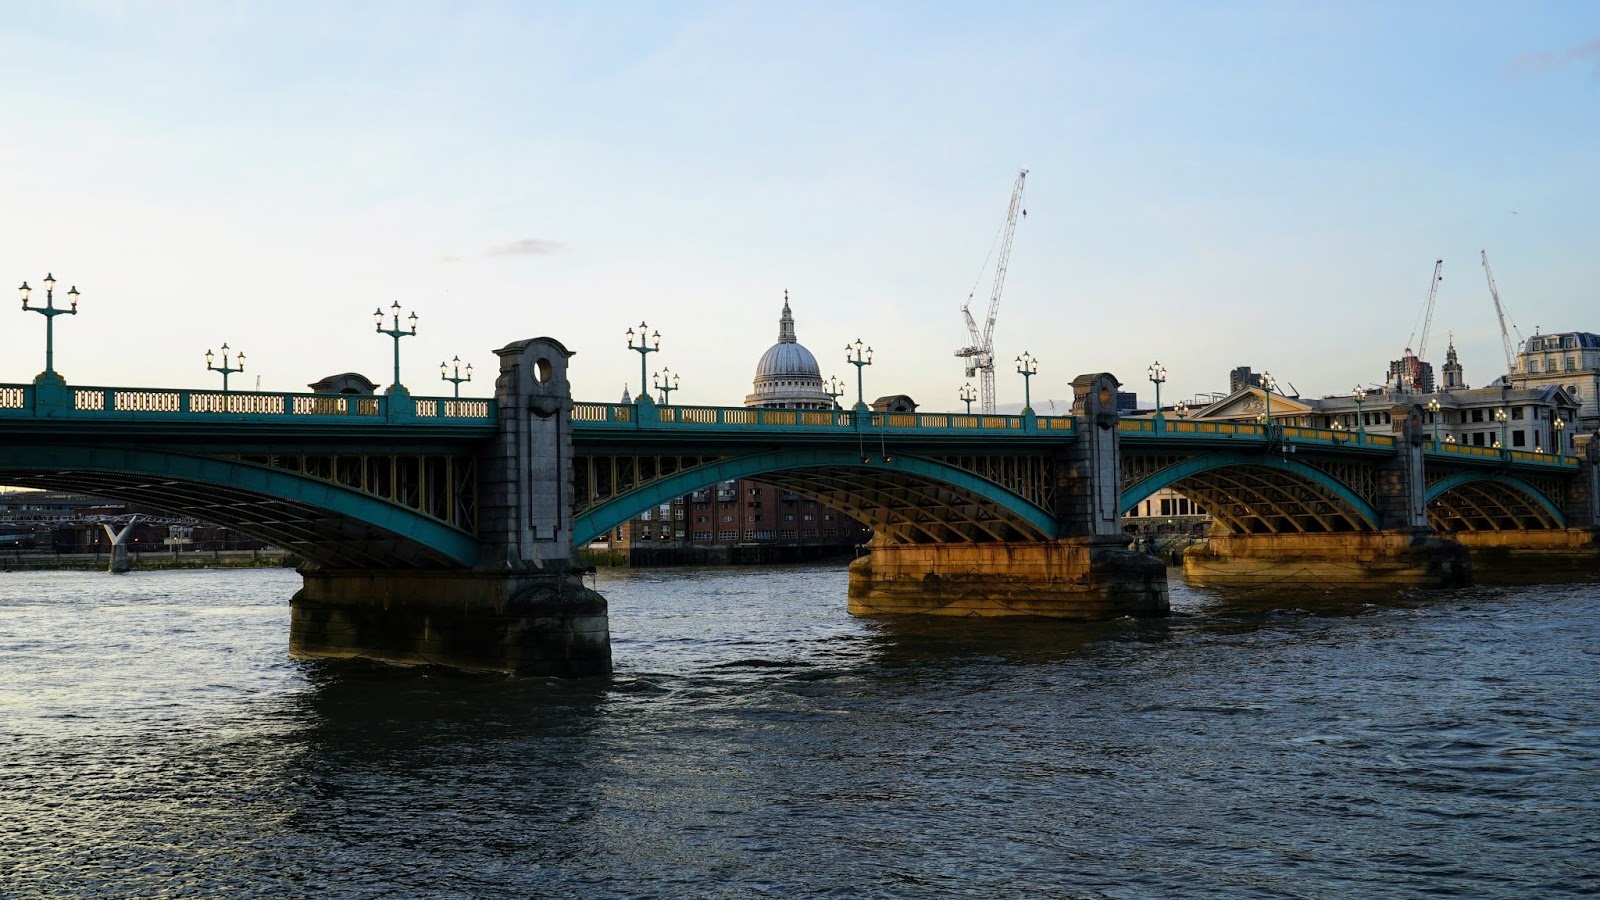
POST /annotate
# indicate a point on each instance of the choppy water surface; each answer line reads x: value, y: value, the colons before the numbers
x: 758, y: 741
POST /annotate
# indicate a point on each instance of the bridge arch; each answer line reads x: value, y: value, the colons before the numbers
x: 1257, y: 492
x: 908, y: 499
x: 323, y: 522
x: 1489, y: 501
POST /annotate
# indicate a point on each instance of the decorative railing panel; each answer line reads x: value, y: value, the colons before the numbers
x: 17, y: 401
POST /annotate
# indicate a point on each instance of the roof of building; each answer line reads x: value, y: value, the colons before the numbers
x: 1564, y: 340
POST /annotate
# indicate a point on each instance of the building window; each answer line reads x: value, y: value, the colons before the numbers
x: 1516, y: 412
x: 1572, y: 364
x: 1519, y: 438
x: 1477, y: 415
x: 727, y: 535
x: 727, y: 518
x: 1533, y: 365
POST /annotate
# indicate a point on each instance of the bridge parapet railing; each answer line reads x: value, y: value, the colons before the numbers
x: 119, y: 403
x: 1147, y: 425
x: 1478, y: 453
x: 740, y: 417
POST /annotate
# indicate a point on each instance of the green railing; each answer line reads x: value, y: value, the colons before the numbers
x: 616, y: 415
x: 1497, y: 454
x: 121, y: 404
x: 1146, y: 426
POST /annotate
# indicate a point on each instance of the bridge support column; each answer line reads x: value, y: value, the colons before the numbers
x: 1079, y: 578
x: 1088, y: 573
x: 524, y: 624
x: 1350, y: 560
x: 523, y: 608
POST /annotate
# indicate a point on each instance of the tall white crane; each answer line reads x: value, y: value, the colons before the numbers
x: 980, y: 353
x: 1500, y: 310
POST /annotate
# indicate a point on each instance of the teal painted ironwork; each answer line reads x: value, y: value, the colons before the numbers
x: 1444, y: 485
x: 617, y: 510
x: 108, y: 404
x: 397, y: 333
x: 598, y: 418
x: 269, y: 484
x: 1136, y: 493
x: 225, y: 369
x: 456, y: 379
x: 49, y: 311
x: 645, y: 350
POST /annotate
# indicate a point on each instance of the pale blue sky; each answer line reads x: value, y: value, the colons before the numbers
x: 1211, y: 184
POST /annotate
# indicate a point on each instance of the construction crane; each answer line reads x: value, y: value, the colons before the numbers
x: 980, y: 353
x: 1412, y: 365
x: 1500, y: 310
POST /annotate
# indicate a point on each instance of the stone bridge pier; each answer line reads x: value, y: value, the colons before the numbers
x: 523, y: 607
x: 1087, y: 573
x: 1403, y: 551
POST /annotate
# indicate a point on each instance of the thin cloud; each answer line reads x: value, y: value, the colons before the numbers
x: 448, y: 258
x: 527, y: 247
x: 1534, y: 63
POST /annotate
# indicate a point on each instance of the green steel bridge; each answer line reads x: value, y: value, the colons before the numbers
x: 395, y: 482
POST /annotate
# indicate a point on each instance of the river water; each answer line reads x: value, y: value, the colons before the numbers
x: 756, y: 741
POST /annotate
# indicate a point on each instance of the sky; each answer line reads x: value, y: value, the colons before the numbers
x: 1210, y: 185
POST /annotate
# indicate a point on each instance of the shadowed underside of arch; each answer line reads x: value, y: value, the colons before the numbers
x: 1474, y: 501
x: 1258, y: 494
x: 904, y: 499
x: 323, y: 523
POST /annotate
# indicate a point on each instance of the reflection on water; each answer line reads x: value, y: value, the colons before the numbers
x: 758, y: 741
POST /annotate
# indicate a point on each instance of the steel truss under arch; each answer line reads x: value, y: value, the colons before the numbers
x: 905, y: 499
x: 1260, y: 493
x: 322, y: 522
x: 1489, y: 501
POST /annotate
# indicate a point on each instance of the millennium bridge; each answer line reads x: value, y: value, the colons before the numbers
x: 445, y: 530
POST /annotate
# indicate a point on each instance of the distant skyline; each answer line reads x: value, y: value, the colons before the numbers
x: 1211, y: 185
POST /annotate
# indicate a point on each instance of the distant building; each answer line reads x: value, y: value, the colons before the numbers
x: 1410, y: 375
x: 1466, y: 415
x: 1570, y: 359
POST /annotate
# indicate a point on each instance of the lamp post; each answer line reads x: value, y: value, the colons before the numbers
x: 1357, y: 394
x: 666, y: 382
x: 1500, y: 416
x: 967, y: 395
x: 1158, y: 377
x: 834, y: 389
x: 1027, y: 367
x: 397, y: 333
x: 1182, y: 409
x: 855, y: 356
x: 1267, y: 386
x: 1560, y: 426
x: 456, y: 378
x: 645, y: 349
x: 1433, y: 407
x: 224, y: 368
x: 49, y: 311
